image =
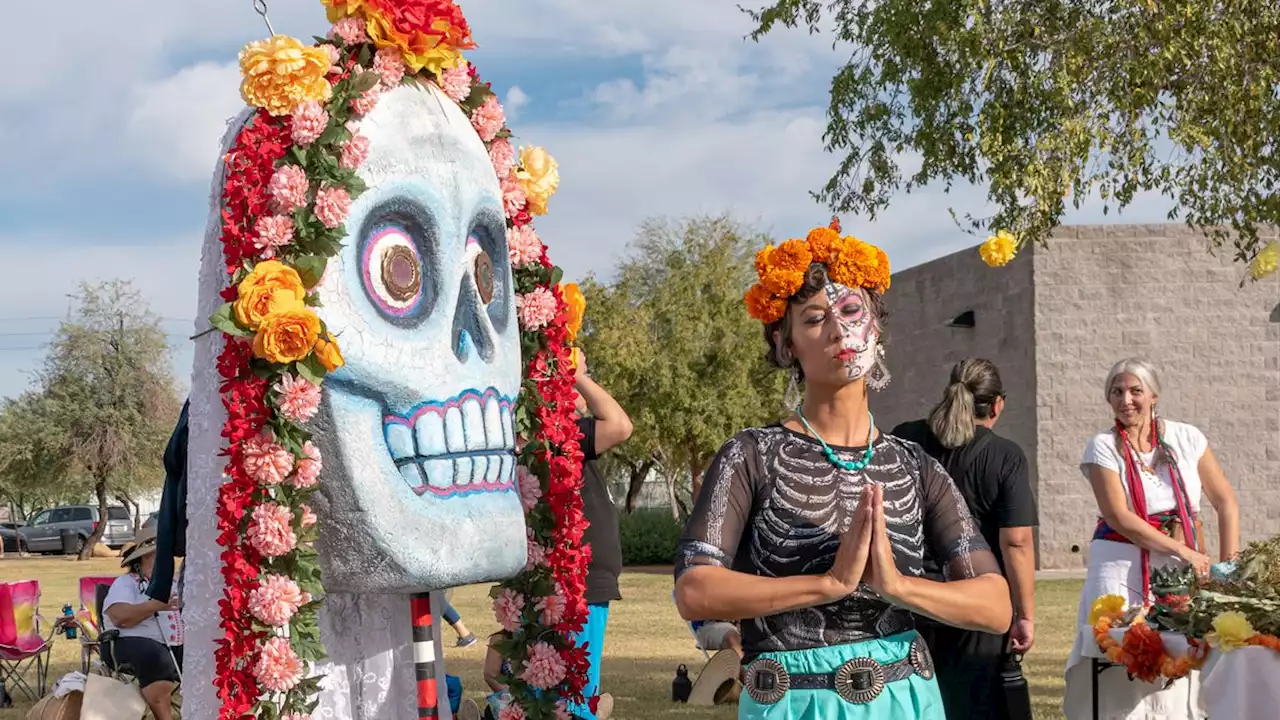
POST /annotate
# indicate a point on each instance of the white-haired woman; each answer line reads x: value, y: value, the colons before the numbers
x: 1148, y: 475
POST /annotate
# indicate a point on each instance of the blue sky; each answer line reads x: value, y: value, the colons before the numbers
x: 655, y: 108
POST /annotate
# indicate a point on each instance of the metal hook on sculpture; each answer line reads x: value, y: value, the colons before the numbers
x: 260, y: 7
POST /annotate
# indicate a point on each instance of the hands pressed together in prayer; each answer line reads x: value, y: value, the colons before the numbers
x: 865, y: 554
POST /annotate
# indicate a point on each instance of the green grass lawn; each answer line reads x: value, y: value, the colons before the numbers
x: 646, y: 639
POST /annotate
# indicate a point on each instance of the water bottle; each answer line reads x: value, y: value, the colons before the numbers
x: 682, y: 686
x: 1013, y: 686
x: 69, y: 630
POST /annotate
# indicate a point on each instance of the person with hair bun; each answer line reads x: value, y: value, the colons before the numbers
x: 812, y: 533
x: 1147, y: 474
x: 992, y: 475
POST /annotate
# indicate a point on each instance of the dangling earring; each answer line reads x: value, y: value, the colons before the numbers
x: 879, y: 377
x: 792, y: 397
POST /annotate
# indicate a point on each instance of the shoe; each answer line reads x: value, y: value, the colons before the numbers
x: 468, y: 710
x: 604, y: 708
x: 466, y: 642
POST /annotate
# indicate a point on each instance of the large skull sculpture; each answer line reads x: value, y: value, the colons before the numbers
x: 417, y: 431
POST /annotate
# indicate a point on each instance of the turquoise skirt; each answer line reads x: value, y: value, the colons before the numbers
x: 913, y: 698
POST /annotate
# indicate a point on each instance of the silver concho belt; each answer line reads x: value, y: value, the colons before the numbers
x: 858, y: 681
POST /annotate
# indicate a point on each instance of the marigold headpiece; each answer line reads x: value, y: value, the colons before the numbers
x: 850, y: 262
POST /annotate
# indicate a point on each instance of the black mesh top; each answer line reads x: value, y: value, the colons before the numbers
x: 772, y: 505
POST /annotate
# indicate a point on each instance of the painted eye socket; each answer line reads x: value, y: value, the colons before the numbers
x: 392, y: 271
x: 484, y: 277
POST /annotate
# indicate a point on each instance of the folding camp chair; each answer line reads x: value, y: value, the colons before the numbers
x: 88, y: 619
x: 22, y: 647
x: 693, y: 629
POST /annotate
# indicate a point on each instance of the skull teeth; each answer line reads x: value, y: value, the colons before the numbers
x: 461, y: 475
x: 473, y: 426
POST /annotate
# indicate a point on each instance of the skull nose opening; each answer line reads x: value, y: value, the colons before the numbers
x: 470, y: 334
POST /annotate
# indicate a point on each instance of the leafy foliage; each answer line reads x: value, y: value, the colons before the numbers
x: 649, y: 537
x: 1049, y: 101
x: 670, y: 339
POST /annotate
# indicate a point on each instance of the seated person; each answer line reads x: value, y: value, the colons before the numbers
x: 716, y: 635
x: 149, y: 637
x: 495, y: 667
x: 719, y: 681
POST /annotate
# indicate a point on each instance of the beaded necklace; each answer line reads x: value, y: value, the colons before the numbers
x: 832, y: 457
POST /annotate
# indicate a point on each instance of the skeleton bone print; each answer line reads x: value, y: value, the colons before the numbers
x: 858, y: 331
x: 773, y: 505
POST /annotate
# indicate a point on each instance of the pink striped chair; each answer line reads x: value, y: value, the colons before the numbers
x: 21, y: 645
x: 87, y: 618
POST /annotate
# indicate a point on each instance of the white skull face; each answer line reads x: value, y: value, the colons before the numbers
x: 417, y: 432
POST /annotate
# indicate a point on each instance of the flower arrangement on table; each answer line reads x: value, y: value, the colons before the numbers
x: 290, y: 179
x: 1237, y: 607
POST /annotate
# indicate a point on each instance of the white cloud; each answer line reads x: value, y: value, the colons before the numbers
x: 177, y: 123
x: 514, y: 101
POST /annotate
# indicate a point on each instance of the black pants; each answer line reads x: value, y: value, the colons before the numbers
x: 968, y: 665
x: 143, y: 658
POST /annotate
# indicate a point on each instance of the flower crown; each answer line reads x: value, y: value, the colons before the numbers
x: 850, y: 262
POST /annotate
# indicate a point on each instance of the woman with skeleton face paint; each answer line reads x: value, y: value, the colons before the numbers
x: 813, y: 532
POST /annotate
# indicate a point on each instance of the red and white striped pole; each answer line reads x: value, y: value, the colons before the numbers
x: 424, y: 655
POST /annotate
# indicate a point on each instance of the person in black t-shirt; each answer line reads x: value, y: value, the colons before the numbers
x: 992, y: 475
x: 604, y: 425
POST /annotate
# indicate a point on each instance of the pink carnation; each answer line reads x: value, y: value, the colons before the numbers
x: 530, y: 487
x: 309, y: 122
x: 523, y: 245
x: 354, y: 152
x: 278, y: 668
x: 537, y: 556
x: 503, y: 157
x: 275, y: 601
x: 513, y: 196
x: 488, y: 119
x: 288, y: 188
x: 309, y: 467
x: 562, y: 711
x: 295, y: 716
x: 390, y: 65
x: 350, y: 30
x: 265, y: 460
x: 308, y: 517
x: 544, y: 668
x: 552, y: 608
x: 269, y: 530
x: 274, y: 232
x: 507, y: 608
x: 511, y: 712
x: 335, y: 57
x: 297, y: 397
x: 536, y: 309
x: 364, y: 104
x: 332, y: 206
x: 456, y: 83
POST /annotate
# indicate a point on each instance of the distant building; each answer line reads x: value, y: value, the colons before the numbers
x: 1055, y: 319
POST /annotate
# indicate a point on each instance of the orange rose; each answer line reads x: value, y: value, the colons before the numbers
x: 271, y: 287
x: 288, y: 336
x: 329, y: 355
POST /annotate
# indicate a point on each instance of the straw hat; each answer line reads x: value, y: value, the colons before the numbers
x: 719, y: 680
x: 143, y: 544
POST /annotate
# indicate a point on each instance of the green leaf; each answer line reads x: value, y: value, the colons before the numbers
x: 557, y: 275
x: 335, y: 133
x: 363, y: 81
x: 311, y: 369
x: 225, y: 320
x: 299, y: 155
x: 311, y: 269
x: 365, y: 56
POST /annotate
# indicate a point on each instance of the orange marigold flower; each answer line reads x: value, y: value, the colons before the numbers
x: 763, y: 305
x: 1267, y: 641
x: 762, y: 259
x: 822, y: 244
x: 787, y: 265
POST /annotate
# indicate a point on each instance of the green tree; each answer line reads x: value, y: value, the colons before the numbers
x: 108, y: 394
x: 1049, y: 101
x: 671, y: 340
x: 33, y: 468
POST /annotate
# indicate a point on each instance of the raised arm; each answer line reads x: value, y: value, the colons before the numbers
x: 1223, y: 499
x: 613, y: 427
x: 707, y: 588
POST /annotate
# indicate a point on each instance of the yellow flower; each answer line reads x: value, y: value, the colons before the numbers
x: 329, y: 355
x: 1107, y: 606
x: 1265, y: 262
x: 1231, y: 631
x: 576, y: 303
x: 281, y: 73
x: 271, y: 287
x: 999, y: 249
x: 288, y: 336
x: 540, y: 175
x: 574, y: 357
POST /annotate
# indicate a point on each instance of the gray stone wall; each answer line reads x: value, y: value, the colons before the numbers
x: 922, y: 347
x: 1103, y: 293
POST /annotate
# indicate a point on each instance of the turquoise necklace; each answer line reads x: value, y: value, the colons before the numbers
x: 846, y: 465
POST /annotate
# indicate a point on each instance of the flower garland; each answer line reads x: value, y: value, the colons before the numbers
x: 781, y: 270
x: 1141, y: 648
x: 290, y: 180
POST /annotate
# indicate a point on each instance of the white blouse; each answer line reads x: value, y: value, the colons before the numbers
x: 1186, y: 440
